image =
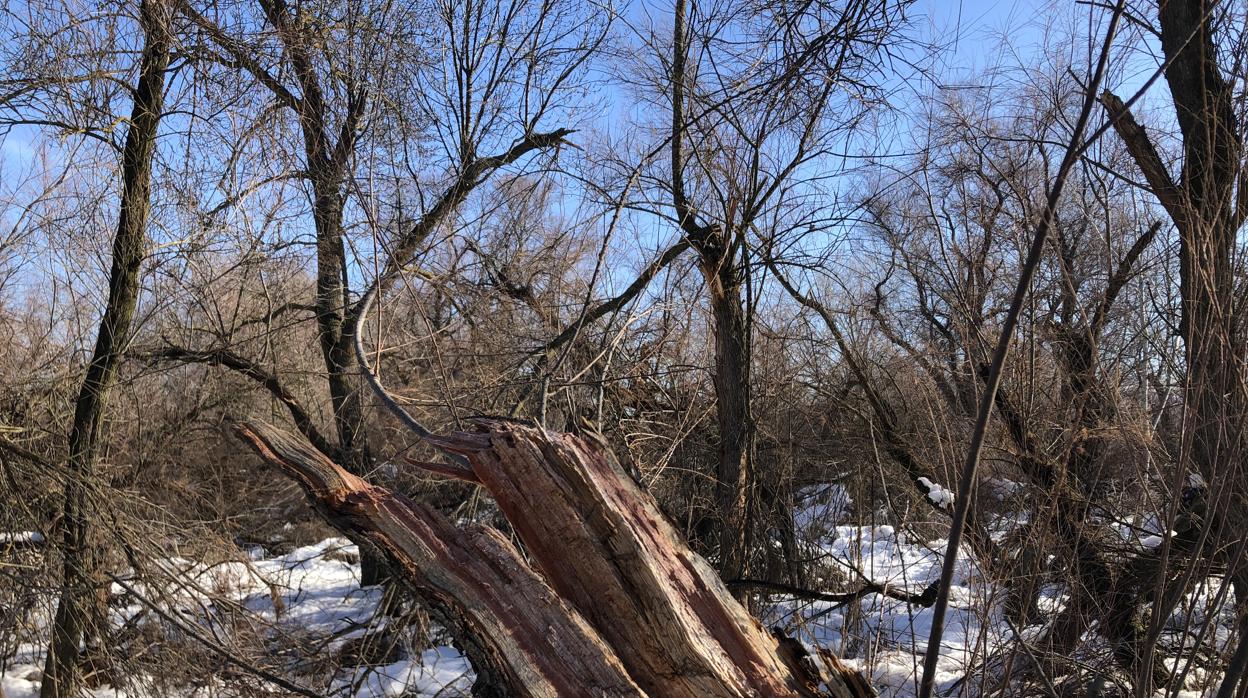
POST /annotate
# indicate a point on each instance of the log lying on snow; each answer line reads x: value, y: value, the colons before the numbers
x: 621, y: 605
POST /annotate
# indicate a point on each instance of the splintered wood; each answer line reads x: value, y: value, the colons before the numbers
x: 615, y: 604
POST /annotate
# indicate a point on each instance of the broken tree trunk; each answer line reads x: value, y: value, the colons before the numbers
x: 618, y: 604
x: 529, y: 638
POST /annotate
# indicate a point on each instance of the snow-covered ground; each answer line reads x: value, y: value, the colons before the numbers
x: 312, y: 594
x: 885, y: 638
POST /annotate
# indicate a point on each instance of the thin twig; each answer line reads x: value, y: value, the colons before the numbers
x: 966, y: 483
x: 225, y: 653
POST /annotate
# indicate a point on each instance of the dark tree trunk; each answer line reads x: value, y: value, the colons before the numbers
x: 1208, y: 207
x: 327, y: 169
x: 1204, y: 209
x: 326, y: 161
x: 332, y: 297
x: 79, y: 608
x: 734, y: 477
x: 1207, y: 226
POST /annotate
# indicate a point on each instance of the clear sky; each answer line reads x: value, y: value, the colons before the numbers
x: 975, y: 35
x: 973, y: 29
x: 980, y: 34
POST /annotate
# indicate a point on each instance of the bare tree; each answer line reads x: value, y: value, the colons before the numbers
x: 749, y: 116
x: 1207, y: 204
x: 79, y: 611
x: 503, y: 75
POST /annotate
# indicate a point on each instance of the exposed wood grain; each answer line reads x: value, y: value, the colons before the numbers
x: 622, y: 606
x: 520, y: 627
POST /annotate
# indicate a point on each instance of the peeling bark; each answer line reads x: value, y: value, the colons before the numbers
x: 615, y: 604
x: 512, y: 625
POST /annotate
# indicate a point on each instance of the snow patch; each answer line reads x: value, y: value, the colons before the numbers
x: 313, y: 592
x: 940, y: 497
x: 21, y: 537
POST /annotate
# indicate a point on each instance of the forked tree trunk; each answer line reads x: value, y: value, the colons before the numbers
x: 616, y: 603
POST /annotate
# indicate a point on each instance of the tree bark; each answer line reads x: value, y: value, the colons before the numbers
x: 516, y: 630
x: 1204, y: 210
x: 77, y: 611
x: 618, y: 604
x: 1208, y: 207
x: 326, y: 162
x: 734, y: 477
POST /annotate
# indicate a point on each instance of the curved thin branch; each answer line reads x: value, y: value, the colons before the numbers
x: 228, y: 359
x: 383, y: 395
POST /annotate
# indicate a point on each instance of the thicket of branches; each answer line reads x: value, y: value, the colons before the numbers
x: 755, y: 248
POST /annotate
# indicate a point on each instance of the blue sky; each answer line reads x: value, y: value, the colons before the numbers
x: 973, y: 28
x: 972, y: 32
x: 975, y: 35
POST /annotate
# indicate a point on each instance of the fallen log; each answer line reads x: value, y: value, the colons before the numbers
x: 618, y: 604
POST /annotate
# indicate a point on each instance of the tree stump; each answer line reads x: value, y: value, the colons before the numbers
x: 615, y: 604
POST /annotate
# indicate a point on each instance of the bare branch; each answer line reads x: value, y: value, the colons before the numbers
x: 241, y: 55
x: 270, y: 382
x: 1146, y: 157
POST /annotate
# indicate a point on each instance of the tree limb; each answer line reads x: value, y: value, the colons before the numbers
x: 270, y: 382
x: 242, y: 57
x: 473, y: 175
x: 1146, y: 157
